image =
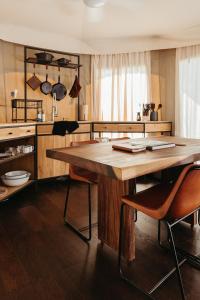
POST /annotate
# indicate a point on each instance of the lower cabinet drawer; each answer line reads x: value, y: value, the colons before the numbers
x: 131, y: 128
x: 16, y: 132
x: 47, y: 129
x: 104, y: 127
x: 118, y: 127
x: 160, y: 127
x: 83, y: 128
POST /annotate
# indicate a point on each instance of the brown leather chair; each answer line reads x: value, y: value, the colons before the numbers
x: 170, y: 203
x: 84, y: 176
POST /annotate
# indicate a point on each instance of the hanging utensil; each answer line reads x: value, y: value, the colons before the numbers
x: 59, y: 89
x: 34, y: 82
x: 76, y: 87
x: 159, y: 107
x: 46, y: 86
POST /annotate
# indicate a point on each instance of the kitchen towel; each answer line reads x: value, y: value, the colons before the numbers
x: 74, y: 92
x: 60, y: 127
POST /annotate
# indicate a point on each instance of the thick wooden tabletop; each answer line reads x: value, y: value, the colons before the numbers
x: 102, y: 159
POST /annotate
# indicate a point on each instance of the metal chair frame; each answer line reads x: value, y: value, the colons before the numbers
x: 78, y: 230
x: 176, y: 253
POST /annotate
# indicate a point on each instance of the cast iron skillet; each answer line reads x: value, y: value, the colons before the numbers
x: 59, y: 89
x: 46, y: 86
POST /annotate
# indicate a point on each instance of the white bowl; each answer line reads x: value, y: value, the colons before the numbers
x: 16, y: 174
x: 15, y: 181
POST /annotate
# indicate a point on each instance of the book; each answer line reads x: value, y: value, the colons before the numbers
x: 128, y: 147
x: 154, y: 144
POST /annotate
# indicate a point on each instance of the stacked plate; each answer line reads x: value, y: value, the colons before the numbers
x: 15, y: 178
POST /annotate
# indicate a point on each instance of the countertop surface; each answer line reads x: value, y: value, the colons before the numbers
x: 4, y: 125
x: 130, y: 122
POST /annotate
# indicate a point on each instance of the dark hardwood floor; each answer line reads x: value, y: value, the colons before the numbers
x: 42, y: 259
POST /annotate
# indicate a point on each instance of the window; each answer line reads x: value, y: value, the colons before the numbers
x: 120, y: 85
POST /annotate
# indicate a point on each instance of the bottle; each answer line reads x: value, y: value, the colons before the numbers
x: 43, y: 116
x: 39, y: 115
x: 138, y: 116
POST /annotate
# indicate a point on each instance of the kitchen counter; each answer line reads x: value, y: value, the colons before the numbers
x: 40, y: 135
x: 22, y: 124
x: 130, y: 122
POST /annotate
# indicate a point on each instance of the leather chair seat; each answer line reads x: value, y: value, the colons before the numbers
x: 170, y: 200
x: 150, y: 201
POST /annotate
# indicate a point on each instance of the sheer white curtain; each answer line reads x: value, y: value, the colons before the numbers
x: 120, y: 84
x: 187, y: 121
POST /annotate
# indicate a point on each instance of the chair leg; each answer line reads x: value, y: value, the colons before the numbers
x: 78, y: 231
x: 135, y: 215
x: 67, y: 197
x: 173, y: 250
x: 168, y: 275
x: 159, y: 233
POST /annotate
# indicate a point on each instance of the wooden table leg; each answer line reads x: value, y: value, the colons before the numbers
x: 110, y: 192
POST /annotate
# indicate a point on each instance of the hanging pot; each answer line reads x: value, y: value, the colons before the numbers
x: 63, y: 61
x: 59, y: 89
x: 34, y: 82
x: 46, y: 86
x: 44, y: 57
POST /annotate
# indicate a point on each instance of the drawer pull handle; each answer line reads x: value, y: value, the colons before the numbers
x: 28, y: 130
x: 10, y: 133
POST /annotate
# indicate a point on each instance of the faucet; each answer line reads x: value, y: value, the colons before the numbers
x: 54, y: 107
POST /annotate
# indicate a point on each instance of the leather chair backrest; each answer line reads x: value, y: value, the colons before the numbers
x: 75, y: 171
x: 187, y: 197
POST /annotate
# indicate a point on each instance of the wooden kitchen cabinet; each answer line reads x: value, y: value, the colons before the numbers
x: 51, y: 168
x: 47, y: 167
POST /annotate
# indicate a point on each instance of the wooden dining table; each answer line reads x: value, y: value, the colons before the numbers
x: 116, y: 170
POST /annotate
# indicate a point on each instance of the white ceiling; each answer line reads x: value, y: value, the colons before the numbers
x: 120, y: 26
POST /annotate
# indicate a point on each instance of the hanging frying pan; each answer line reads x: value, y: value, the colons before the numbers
x: 59, y: 89
x: 46, y: 86
x: 34, y: 82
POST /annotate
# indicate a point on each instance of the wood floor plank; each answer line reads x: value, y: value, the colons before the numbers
x: 42, y: 259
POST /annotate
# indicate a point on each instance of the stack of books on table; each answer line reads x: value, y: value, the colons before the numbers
x: 138, y: 146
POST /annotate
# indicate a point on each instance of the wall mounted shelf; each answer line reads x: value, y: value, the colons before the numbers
x: 29, y: 104
x: 74, y: 64
x: 32, y: 60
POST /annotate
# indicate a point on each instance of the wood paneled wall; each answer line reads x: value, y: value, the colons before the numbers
x: 163, y: 69
x: 12, y: 77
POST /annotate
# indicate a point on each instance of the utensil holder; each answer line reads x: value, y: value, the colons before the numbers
x: 154, y: 116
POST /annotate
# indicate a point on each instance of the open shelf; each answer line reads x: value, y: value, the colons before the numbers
x: 8, y: 159
x: 32, y: 60
x: 13, y: 190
